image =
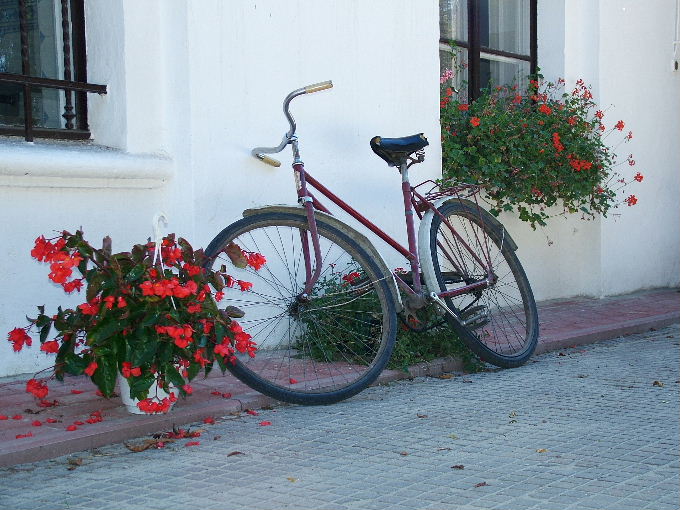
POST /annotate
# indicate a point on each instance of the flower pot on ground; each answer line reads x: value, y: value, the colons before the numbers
x: 158, y: 400
x: 153, y: 314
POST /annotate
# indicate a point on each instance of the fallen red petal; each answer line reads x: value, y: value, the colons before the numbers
x: 210, y: 420
x: 51, y: 420
x: 226, y: 395
x: 77, y: 392
x: 71, y: 428
x: 21, y: 436
x: 193, y: 443
x: 217, y: 393
x: 252, y: 412
x: 3, y: 417
x: 265, y: 423
x: 293, y: 381
x: 37, y: 423
x: 17, y: 417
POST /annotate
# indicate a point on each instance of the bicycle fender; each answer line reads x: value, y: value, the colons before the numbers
x: 424, y: 236
x: 357, y: 236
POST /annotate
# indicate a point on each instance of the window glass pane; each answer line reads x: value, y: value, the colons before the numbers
x: 496, y: 71
x: 504, y: 25
x: 10, y: 39
x: 453, y: 20
x: 11, y: 105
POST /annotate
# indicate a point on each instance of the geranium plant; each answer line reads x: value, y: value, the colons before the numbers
x: 535, y: 148
x: 152, y: 315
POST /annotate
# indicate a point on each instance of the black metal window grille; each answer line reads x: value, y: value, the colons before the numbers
x: 496, y: 39
x: 43, y: 79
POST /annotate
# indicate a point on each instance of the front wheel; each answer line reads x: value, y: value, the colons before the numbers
x: 314, y: 349
x: 499, y: 323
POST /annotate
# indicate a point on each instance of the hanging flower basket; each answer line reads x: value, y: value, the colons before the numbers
x: 153, y: 318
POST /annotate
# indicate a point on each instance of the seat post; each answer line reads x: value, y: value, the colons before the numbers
x: 410, y: 226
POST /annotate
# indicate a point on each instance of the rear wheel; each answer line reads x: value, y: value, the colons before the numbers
x: 500, y: 322
x: 315, y: 349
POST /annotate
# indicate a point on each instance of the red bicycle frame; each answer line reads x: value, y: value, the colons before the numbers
x: 414, y: 202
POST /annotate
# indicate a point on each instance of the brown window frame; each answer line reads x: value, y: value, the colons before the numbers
x: 74, y: 84
x: 474, y: 47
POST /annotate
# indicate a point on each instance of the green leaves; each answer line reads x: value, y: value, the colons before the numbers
x: 139, y: 386
x: 135, y: 273
x: 105, y: 329
x: 106, y: 373
x: 141, y: 347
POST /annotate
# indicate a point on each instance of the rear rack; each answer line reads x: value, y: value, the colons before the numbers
x: 446, y: 189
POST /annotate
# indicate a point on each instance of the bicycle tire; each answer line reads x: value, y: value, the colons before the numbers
x: 502, y: 320
x: 312, y: 353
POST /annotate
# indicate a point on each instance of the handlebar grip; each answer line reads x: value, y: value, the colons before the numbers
x: 268, y: 160
x: 318, y: 87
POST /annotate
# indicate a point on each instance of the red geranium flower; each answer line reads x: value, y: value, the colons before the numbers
x: 244, y: 285
x: 51, y: 347
x: 19, y: 337
x: 38, y: 388
x: 91, y: 368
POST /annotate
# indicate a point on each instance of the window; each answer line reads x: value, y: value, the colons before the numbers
x: 495, y: 39
x: 43, y: 83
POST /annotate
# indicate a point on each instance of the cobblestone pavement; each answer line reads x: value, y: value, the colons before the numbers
x: 583, y: 428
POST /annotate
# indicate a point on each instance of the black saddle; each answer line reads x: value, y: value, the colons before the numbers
x: 397, y: 150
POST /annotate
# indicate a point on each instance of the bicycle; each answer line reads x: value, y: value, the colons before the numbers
x: 323, y: 308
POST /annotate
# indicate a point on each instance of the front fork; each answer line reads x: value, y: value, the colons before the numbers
x: 305, y: 198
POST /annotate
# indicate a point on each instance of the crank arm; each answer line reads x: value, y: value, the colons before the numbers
x: 440, y: 302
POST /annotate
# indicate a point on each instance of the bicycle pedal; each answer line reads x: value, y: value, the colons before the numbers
x: 475, y: 317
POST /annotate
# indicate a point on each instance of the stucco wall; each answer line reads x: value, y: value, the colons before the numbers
x: 641, y: 246
x: 379, y: 61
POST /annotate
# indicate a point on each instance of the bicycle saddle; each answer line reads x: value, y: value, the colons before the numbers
x: 395, y: 151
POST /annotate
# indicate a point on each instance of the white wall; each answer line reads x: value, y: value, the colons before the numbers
x: 383, y: 59
x: 641, y: 246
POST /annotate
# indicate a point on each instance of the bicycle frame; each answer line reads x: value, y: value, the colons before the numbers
x: 414, y: 202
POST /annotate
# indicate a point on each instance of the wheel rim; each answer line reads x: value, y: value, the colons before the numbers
x: 499, y: 316
x: 325, y: 343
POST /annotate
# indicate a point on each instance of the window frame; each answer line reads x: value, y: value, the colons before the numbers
x: 475, y: 49
x: 73, y: 37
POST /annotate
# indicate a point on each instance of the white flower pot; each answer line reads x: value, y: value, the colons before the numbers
x: 154, y: 392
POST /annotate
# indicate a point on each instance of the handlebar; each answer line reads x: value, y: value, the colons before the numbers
x: 259, y: 152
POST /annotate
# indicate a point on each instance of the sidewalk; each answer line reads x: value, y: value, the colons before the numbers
x: 563, y: 323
